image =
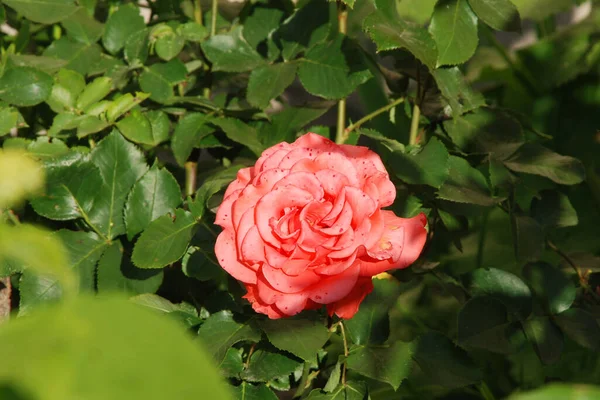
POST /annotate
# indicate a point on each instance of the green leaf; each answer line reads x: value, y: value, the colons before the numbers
x: 230, y: 52
x: 160, y: 124
x: 333, y: 69
x: 79, y: 57
x: 164, y: 241
x: 233, y: 365
x: 308, y: 26
x: 220, y: 331
x: 428, y: 167
x: 546, y: 338
x: 248, y: 391
x: 38, y: 251
x: 48, y: 65
x: 121, y: 164
x: 121, y: 104
x: 538, y: 10
x: 286, y: 124
x: 528, y: 237
x: 8, y: 120
x: 44, y: 11
x: 136, y: 47
x: 265, y: 366
x: 136, y: 127
x: 268, y: 82
x: 106, y: 330
x: 550, y: 285
x: 503, y: 286
x: 483, y: 324
x: 118, y: 275
x: 301, y: 337
x: 389, y: 363
x: 535, y: 159
x: 25, y: 86
x: 260, y: 23
x: 72, y: 186
x: 581, y: 326
x: 154, y: 195
x: 560, y: 391
x: 193, y: 31
x: 95, y: 91
x: 454, y: 29
x: 553, y: 209
x: 371, y: 324
x: 501, y: 15
x: 350, y: 391
x: 390, y: 32
x: 83, y: 249
x: 209, y: 188
x: 391, y: 144
x: 465, y: 184
x: 83, y: 28
x: 240, y: 132
x: 120, y: 25
x: 169, y: 46
x: 67, y: 87
x: 418, y: 11
x: 188, y: 133
x: 459, y: 95
x: 486, y: 131
x: 444, y: 363
x: 159, y: 79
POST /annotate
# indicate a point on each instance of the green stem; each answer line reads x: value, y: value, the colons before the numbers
x: 213, y: 22
x: 13, y: 217
x: 485, y: 391
x: 346, y: 352
x: 341, y: 136
x: 191, y: 169
x: 372, y: 115
x: 198, y: 12
x: 482, y: 235
x: 520, y: 72
x: 414, y: 124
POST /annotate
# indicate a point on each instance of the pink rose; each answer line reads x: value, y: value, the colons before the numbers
x: 304, y: 227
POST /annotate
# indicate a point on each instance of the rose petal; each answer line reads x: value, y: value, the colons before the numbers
x: 336, y: 267
x: 291, y: 304
x: 303, y: 180
x: 284, y: 283
x: 272, y: 158
x: 227, y: 256
x: 332, y: 181
x: 339, y: 163
x: 314, y: 141
x: 297, y: 154
x: 400, y: 245
x: 272, y: 205
x: 362, y: 205
x: 224, y: 217
x: 244, y: 176
x: 246, y: 223
x: 253, y: 248
x: 348, y: 306
x: 334, y: 288
x: 361, y: 153
x: 260, y: 307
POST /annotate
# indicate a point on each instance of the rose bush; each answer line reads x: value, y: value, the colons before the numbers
x: 304, y: 227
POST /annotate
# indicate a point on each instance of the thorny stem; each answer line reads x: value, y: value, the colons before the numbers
x: 247, y: 363
x: 372, y: 115
x: 341, y: 134
x: 13, y: 217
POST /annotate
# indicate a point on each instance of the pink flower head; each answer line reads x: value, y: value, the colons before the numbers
x: 304, y: 227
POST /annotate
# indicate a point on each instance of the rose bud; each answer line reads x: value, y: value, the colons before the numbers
x: 304, y: 228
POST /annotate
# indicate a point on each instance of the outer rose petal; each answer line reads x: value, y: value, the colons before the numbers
x: 224, y: 216
x: 348, y: 306
x: 392, y: 253
x: 244, y: 176
x: 227, y: 255
x: 267, y: 309
x: 314, y: 141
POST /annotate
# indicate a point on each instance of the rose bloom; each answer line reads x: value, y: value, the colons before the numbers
x: 304, y: 228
